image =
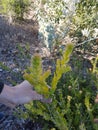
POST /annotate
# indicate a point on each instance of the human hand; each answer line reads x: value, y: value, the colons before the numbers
x: 20, y: 94
x: 24, y: 94
x: 46, y: 100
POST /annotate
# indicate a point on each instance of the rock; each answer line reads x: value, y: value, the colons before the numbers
x: 16, y: 70
x: 1, y: 70
x: 1, y: 115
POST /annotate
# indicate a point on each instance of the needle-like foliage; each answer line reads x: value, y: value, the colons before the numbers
x: 36, y: 76
x: 62, y: 66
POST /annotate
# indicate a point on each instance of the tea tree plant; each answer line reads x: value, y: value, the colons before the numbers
x: 38, y: 78
x: 61, y: 66
x: 72, y: 106
x: 51, y: 112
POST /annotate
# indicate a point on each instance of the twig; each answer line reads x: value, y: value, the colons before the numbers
x: 86, y: 41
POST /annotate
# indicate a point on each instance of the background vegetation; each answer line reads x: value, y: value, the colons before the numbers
x: 73, y: 80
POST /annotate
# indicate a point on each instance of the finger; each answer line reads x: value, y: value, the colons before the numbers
x: 96, y: 100
x: 36, y: 96
x: 95, y: 120
x: 9, y: 104
x: 45, y: 100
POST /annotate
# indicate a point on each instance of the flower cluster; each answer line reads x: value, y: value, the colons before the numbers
x: 86, y: 32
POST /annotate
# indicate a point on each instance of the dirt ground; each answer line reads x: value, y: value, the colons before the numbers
x: 17, y: 44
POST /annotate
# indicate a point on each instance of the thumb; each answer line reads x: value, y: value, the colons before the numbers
x: 46, y: 100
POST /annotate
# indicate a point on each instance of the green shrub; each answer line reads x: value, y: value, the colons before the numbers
x: 20, y: 7
x: 37, y: 78
x: 15, y: 8
x: 72, y: 106
x: 59, y: 19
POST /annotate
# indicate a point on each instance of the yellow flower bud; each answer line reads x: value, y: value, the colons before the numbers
x: 80, y: 92
x: 69, y: 87
x: 69, y: 98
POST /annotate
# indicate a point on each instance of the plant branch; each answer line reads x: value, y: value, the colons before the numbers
x: 86, y: 41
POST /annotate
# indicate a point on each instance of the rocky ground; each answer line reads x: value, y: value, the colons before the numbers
x: 17, y: 44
